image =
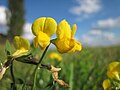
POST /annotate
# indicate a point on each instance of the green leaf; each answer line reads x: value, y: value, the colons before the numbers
x: 8, y: 48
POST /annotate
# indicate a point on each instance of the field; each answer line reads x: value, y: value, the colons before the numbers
x: 83, y: 70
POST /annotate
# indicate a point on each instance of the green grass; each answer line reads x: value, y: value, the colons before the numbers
x: 83, y: 70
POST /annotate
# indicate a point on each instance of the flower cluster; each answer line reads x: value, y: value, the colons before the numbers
x: 113, y: 73
x: 43, y: 28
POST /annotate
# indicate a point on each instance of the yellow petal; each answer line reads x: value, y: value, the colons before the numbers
x: 114, y: 66
x: 35, y: 42
x: 38, y: 25
x: 63, y: 30
x: 74, y: 28
x: 77, y: 46
x: 67, y: 45
x: 106, y: 84
x: 114, y: 70
x: 21, y: 43
x: 65, y: 41
x: 47, y: 25
x: 63, y: 45
x: 50, y: 26
x: 43, y: 40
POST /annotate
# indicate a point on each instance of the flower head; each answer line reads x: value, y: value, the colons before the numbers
x: 106, y: 84
x: 65, y: 41
x: 43, y: 28
x: 55, y: 56
x: 21, y: 44
x: 113, y: 71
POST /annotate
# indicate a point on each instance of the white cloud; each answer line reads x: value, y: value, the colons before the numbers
x: 109, y: 36
x: 87, y: 39
x: 27, y: 31
x: 108, y: 23
x: 4, y: 15
x: 100, y: 38
x: 95, y: 32
x: 4, y: 18
x: 86, y: 7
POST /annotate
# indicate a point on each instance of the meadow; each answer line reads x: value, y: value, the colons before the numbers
x: 83, y: 70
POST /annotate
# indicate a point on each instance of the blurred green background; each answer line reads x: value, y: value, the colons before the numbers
x: 83, y: 70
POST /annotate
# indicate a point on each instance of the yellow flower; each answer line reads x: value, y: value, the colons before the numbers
x: 55, y: 56
x: 21, y: 44
x: 43, y: 28
x: 113, y: 70
x: 65, y: 41
x: 106, y: 84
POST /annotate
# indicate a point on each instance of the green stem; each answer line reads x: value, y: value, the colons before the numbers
x: 35, y: 71
x: 13, y: 85
x: 71, y: 76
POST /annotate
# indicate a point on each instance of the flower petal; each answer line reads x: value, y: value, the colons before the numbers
x: 21, y: 43
x: 77, y: 46
x: 43, y: 40
x: 63, y: 30
x: 50, y: 26
x: 106, y: 84
x: 35, y: 42
x: 47, y: 25
x: 38, y: 25
x: 63, y: 45
x: 74, y: 28
x: 113, y: 70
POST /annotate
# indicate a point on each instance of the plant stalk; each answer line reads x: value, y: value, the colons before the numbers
x: 36, y: 68
x: 13, y: 85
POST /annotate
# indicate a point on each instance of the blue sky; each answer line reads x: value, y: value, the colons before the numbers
x: 98, y: 21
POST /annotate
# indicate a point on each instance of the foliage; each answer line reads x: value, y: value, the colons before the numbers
x: 89, y: 67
